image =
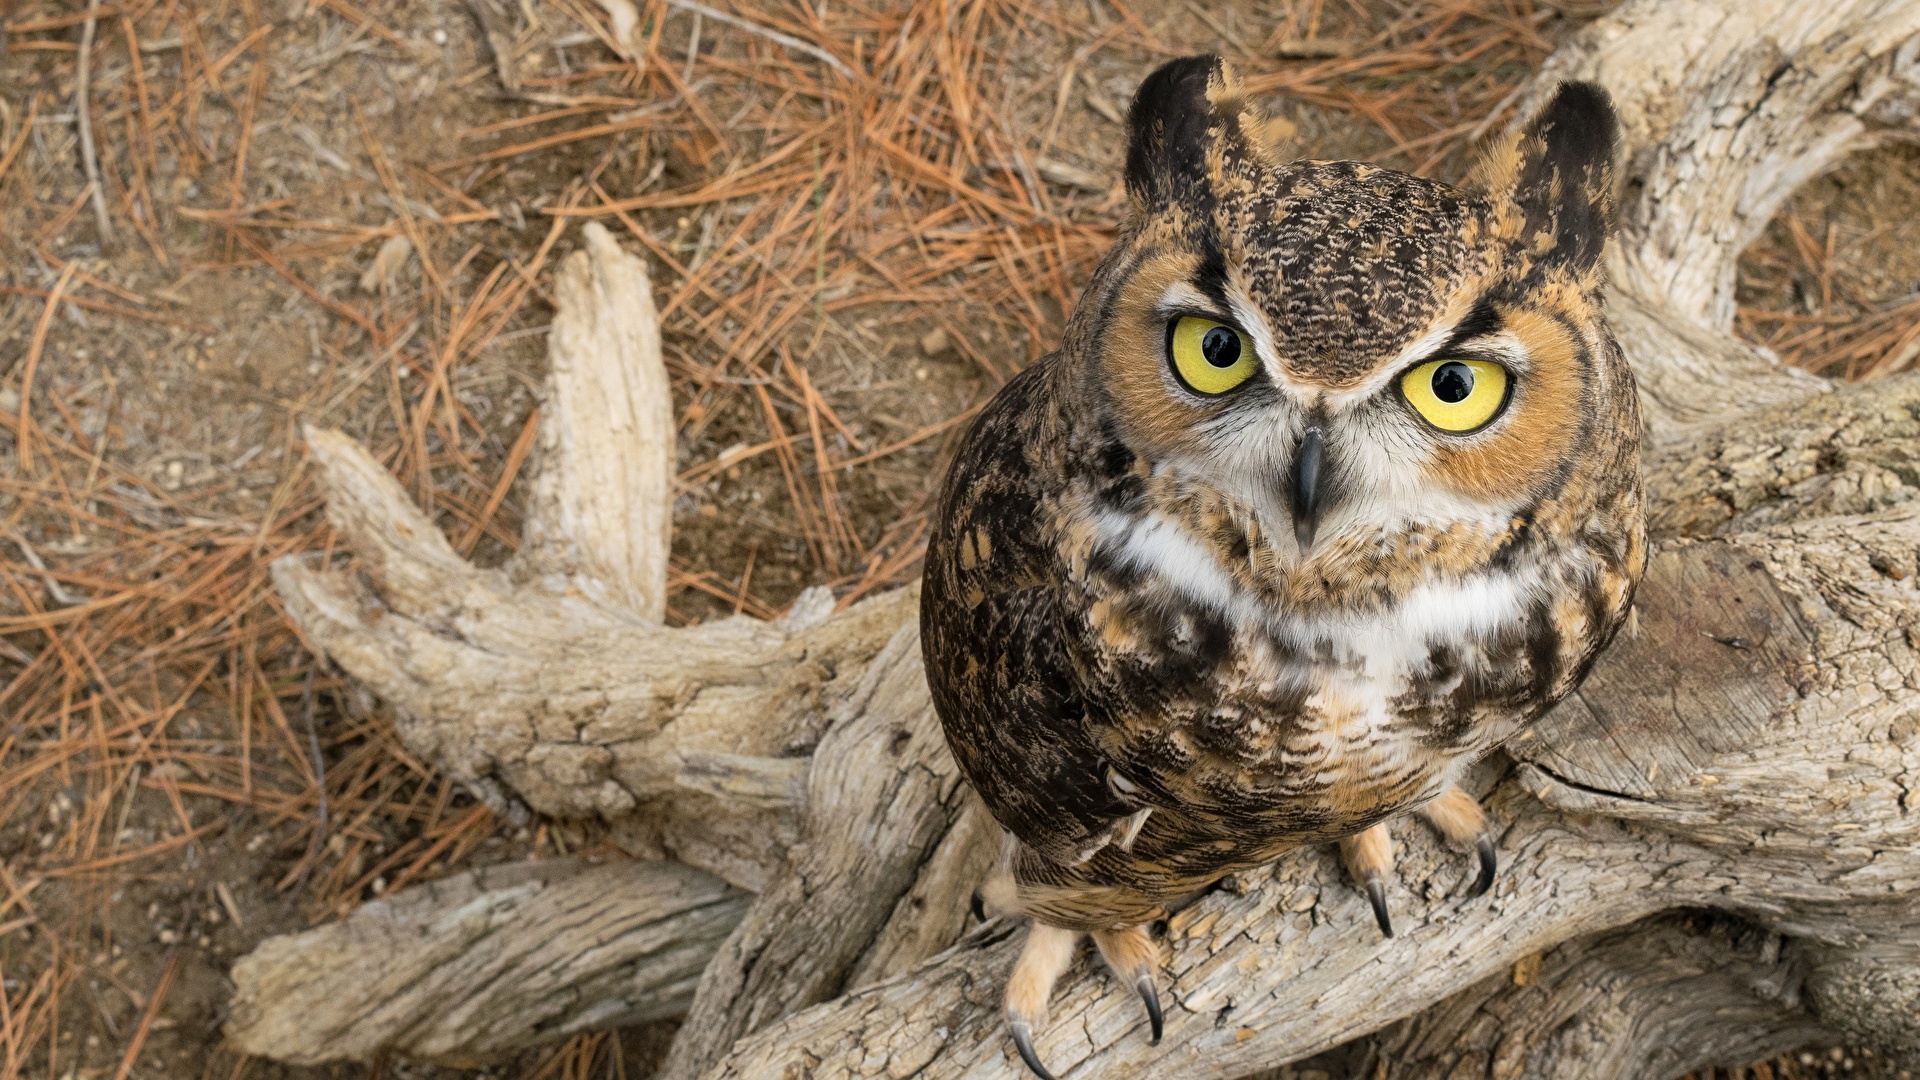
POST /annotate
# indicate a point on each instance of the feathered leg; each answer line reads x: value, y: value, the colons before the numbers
x: 1048, y: 951
x: 1129, y: 950
x: 1458, y: 818
x: 1131, y: 954
x: 1369, y: 858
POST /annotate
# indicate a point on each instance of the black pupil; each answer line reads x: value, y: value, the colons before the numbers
x: 1221, y: 347
x: 1453, y: 382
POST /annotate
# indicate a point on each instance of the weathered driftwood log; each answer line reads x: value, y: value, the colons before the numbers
x: 551, y: 680
x: 1750, y: 750
x: 447, y: 971
x: 1727, y: 107
x: 880, y: 798
x: 530, y: 692
x: 1660, y: 997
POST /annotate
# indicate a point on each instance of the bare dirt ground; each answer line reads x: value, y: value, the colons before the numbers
x: 346, y: 212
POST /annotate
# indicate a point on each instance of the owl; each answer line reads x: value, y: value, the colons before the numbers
x: 1331, y: 487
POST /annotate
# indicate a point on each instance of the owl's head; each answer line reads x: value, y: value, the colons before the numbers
x: 1346, y: 346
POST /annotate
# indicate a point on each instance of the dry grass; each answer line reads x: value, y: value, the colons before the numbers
x: 1834, y: 284
x: 847, y: 266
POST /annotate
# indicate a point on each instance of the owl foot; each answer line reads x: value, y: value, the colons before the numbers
x: 1048, y: 951
x: 1458, y: 818
x: 1131, y: 954
x: 1369, y: 858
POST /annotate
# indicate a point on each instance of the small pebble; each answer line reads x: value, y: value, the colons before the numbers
x: 439, y: 37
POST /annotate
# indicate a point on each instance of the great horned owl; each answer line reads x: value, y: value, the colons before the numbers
x: 1331, y: 488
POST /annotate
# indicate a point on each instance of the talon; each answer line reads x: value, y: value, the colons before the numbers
x: 1048, y: 951
x: 1131, y: 954
x: 1377, y: 896
x: 1023, y: 1041
x: 1489, y: 863
x: 1369, y: 858
x: 1151, y: 996
x: 978, y: 905
x: 1461, y: 821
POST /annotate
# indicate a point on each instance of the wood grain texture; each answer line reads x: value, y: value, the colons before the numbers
x: 882, y: 794
x: 1729, y: 108
x: 442, y: 971
x: 1854, y: 451
x: 1716, y: 654
x: 548, y: 697
x: 600, y: 516
x: 1663, y: 996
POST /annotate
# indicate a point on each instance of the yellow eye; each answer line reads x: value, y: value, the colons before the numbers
x: 1456, y: 395
x: 1209, y: 357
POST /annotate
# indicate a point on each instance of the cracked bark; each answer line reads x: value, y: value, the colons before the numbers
x: 1748, y: 753
x: 1663, y: 996
x: 446, y: 971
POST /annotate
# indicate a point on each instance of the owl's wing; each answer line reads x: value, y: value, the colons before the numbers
x: 995, y: 632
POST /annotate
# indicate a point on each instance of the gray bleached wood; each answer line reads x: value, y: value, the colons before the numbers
x: 447, y: 971
x: 1727, y: 107
x: 601, y: 510
x: 882, y: 794
x: 550, y: 682
x: 1751, y: 750
x: 1666, y: 995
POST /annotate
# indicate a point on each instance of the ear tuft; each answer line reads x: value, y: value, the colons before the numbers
x: 1559, y: 172
x: 1168, y: 126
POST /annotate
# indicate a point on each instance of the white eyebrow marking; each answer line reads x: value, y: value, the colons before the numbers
x: 1504, y: 344
x: 1181, y: 294
x: 1425, y: 345
x: 1253, y: 323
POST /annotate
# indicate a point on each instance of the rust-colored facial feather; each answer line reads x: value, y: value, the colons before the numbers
x: 1133, y: 357
x: 1544, y: 423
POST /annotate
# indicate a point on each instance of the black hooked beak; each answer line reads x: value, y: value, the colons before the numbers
x: 1309, y: 487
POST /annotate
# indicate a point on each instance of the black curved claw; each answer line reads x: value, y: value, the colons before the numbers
x: 1023, y: 1041
x: 1489, y: 862
x: 978, y: 905
x: 1151, y: 996
x: 1377, y: 896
